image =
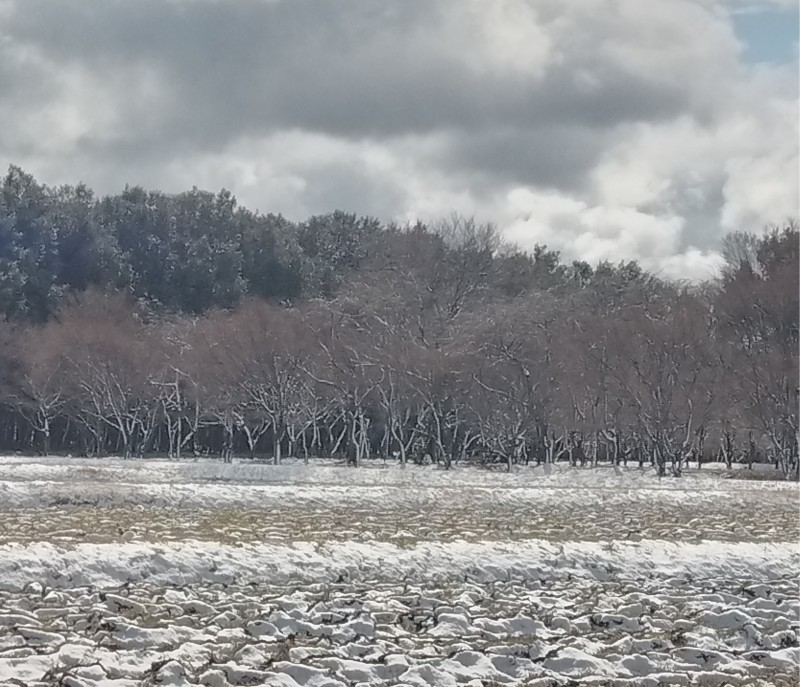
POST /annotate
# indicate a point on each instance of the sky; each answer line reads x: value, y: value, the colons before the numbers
x: 605, y: 129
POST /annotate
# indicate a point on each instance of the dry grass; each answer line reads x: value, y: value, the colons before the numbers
x: 720, y: 520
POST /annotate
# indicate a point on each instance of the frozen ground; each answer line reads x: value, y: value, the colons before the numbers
x: 150, y: 572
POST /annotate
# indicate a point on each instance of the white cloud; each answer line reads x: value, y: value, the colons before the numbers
x: 605, y: 129
x: 502, y: 38
x: 752, y: 6
x: 591, y: 232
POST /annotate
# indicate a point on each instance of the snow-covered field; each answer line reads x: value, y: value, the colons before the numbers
x: 198, y: 573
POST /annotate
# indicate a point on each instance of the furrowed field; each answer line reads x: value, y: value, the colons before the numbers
x: 152, y: 572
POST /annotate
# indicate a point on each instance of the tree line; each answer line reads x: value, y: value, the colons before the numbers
x: 146, y: 323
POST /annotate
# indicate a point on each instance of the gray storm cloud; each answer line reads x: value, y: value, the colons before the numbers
x: 604, y: 129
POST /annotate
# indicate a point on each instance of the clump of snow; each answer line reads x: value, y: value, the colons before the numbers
x: 111, y: 565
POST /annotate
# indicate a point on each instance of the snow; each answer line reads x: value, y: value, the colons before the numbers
x: 322, y: 473
x: 193, y: 562
x: 121, y: 573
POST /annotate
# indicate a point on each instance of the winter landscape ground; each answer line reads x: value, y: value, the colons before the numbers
x: 122, y: 573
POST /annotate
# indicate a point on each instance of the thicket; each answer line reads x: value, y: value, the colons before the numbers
x: 148, y: 323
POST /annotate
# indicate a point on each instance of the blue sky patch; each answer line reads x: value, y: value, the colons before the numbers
x: 769, y: 35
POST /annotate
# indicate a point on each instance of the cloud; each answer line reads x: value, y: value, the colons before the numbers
x: 606, y: 128
x: 758, y: 6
